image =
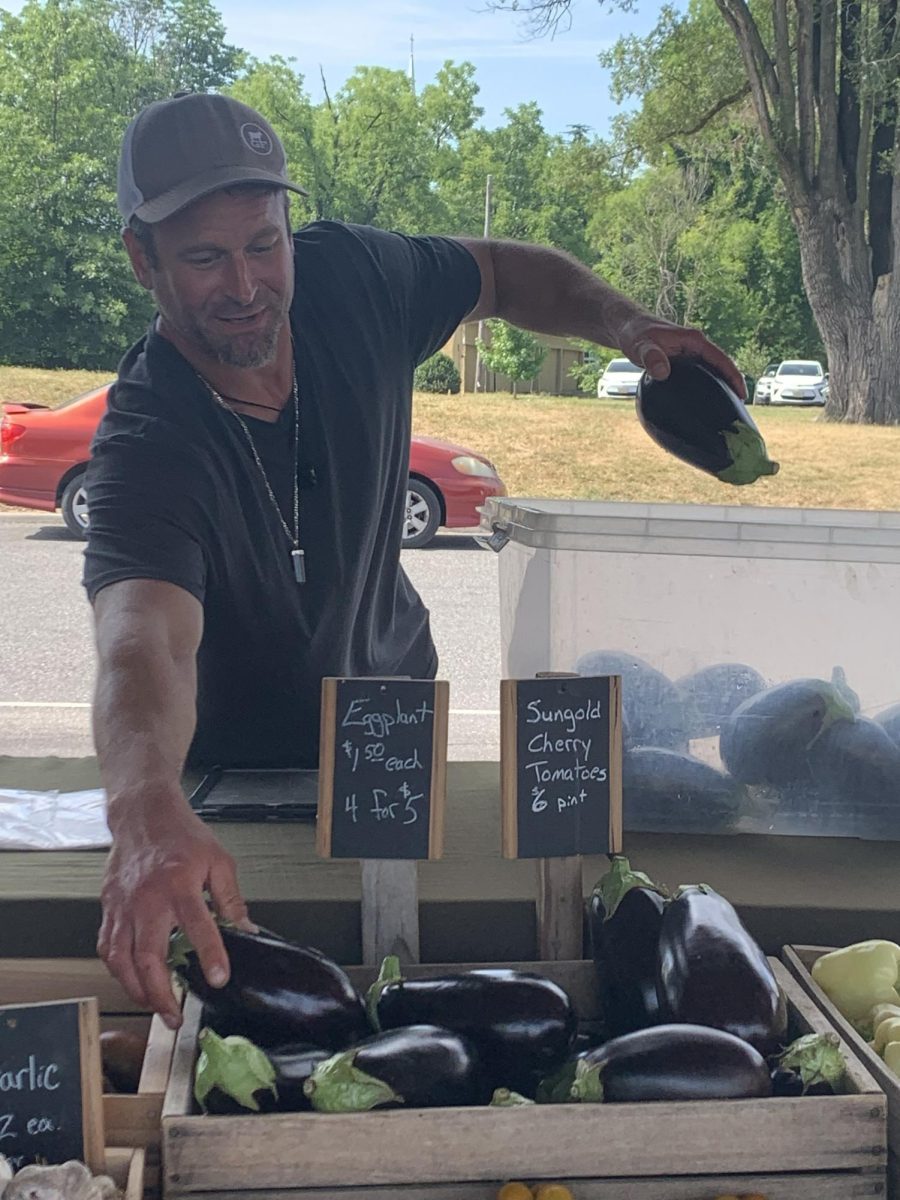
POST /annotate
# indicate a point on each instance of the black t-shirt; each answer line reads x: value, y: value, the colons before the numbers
x: 175, y: 494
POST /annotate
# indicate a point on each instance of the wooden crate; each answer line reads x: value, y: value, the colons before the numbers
x: 810, y: 1148
x: 132, y: 1123
x: 799, y: 961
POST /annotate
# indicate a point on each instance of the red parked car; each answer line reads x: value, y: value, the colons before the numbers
x: 44, y: 453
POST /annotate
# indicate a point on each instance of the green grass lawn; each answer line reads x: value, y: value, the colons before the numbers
x: 590, y: 449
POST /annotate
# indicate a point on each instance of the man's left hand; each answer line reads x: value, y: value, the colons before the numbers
x: 651, y: 341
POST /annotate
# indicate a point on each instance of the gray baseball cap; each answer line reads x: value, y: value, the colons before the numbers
x: 176, y: 151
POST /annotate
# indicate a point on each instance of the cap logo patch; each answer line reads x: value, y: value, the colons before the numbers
x: 256, y: 139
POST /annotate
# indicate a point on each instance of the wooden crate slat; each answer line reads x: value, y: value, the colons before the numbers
x: 799, y: 961
x: 833, y: 1186
x: 130, y: 1120
x: 135, y: 1182
x: 29, y: 980
x: 454, y: 1146
x: 157, y: 1059
x: 179, y: 1094
x: 431, y: 1146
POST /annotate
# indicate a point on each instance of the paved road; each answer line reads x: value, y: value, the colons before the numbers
x: 47, y: 656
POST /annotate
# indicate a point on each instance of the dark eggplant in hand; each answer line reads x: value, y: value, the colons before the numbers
x: 652, y: 709
x: 663, y: 790
x: 523, y: 1025
x: 235, y: 1076
x: 713, y: 693
x: 696, y: 416
x: 671, y: 1062
x: 712, y: 972
x: 767, y: 739
x: 625, y: 913
x: 418, y: 1066
x: 277, y: 992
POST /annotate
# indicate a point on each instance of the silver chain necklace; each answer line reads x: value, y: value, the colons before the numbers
x: 298, y: 557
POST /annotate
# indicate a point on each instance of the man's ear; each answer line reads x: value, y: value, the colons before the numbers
x: 140, y: 263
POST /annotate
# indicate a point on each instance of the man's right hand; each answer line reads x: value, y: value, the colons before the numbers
x: 162, y: 861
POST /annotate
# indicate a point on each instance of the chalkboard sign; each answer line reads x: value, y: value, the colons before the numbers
x: 561, y: 766
x: 51, y: 1092
x: 382, y: 768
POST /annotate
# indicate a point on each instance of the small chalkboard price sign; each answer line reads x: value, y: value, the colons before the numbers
x: 382, y: 768
x: 561, y: 766
x: 382, y: 787
x: 51, y: 1091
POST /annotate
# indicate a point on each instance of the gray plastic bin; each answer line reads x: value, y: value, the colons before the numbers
x: 788, y: 594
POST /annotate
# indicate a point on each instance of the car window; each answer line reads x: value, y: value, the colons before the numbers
x: 799, y: 369
x: 623, y: 364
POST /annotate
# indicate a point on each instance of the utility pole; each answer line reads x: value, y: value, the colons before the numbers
x: 412, y: 62
x: 479, y: 365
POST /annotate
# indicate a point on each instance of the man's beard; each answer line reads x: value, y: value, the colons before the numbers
x: 253, y: 350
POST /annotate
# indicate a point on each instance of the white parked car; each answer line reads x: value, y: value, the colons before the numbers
x: 620, y: 378
x: 799, y: 381
x: 763, y: 390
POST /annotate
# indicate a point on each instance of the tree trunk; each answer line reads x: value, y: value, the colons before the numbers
x: 859, y: 321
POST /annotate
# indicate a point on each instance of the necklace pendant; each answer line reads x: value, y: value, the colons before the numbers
x: 298, y: 558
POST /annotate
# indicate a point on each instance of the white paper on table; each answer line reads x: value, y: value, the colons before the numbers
x: 53, y: 820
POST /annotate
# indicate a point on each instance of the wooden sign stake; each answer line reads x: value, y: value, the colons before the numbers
x: 560, y: 902
x: 390, y: 909
x: 560, y: 898
x: 385, y: 788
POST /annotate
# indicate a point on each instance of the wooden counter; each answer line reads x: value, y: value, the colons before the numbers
x: 474, y: 904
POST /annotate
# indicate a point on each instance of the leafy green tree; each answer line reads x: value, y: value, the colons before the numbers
x: 72, y: 73
x: 513, y: 352
x: 823, y: 80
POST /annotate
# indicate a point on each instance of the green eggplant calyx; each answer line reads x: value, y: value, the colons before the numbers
x: 235, y: 1066
x: 180, y: 947
x: 618, y: 882
x: 587, y: 1087
x: 338, y: 1085
x: 844, y: 690
x: 390, y: 973
x: 504, y: 1098
x: 817, y: 1058
x: 747, y: 452
x: 557, y: 1088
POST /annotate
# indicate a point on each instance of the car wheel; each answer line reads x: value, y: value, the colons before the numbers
x: 423, y: 515
x: 73, y: 505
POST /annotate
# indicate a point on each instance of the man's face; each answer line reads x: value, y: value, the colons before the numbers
x: 223, y: 278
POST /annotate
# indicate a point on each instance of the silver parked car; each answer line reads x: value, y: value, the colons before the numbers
x: 763, y: 389
x: 799, y: 381
x: 621, y: 378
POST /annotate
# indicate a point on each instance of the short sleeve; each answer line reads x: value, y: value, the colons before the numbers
x: 434, y: 281
x: 146, y: 518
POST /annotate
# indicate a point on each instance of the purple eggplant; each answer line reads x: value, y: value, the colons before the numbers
x: 418, y: 1066
x: 277, y: 992
x: 768, y: 738
x: 697, y: 417
x: 523, y: 1025
x: 234, y: 1076
x: 712, y: 972
x: 671, y: 1062
x: 625, y: 913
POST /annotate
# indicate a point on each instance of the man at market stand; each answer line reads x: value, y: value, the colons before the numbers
x: 248, y: 482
